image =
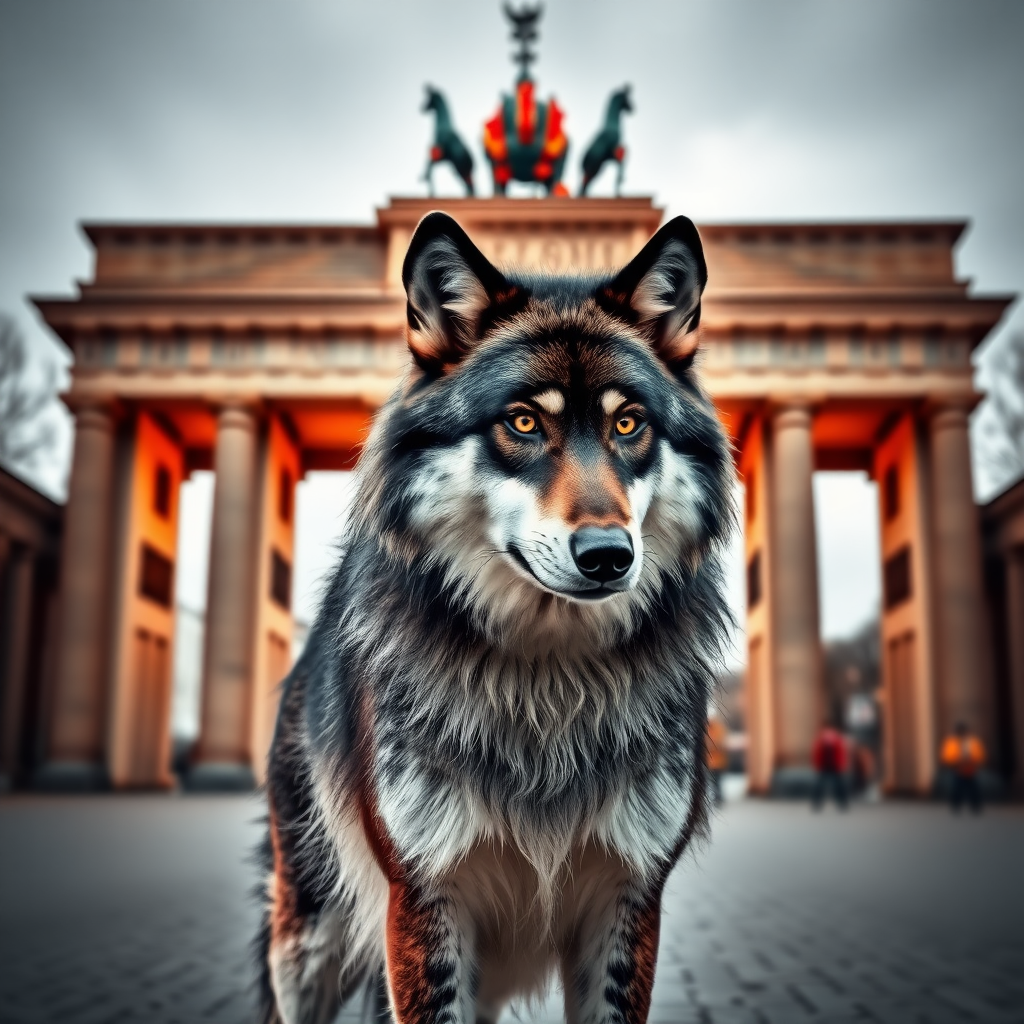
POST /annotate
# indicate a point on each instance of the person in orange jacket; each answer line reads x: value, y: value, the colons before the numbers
x: 962, y: 755
x: 717, y: 757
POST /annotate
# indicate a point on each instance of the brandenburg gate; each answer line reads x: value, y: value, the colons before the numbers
x: 261, y: 352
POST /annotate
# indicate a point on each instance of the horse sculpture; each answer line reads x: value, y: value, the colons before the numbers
x: 608, y: 143
x: 447, y: 143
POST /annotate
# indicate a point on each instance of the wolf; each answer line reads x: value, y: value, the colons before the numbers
x: 489, y: 756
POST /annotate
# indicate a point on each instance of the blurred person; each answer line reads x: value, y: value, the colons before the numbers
x: 828, y: 756
x: 865, y: 771
x: 717, y: 757
x: 862, y: 765
x: 963, y: 754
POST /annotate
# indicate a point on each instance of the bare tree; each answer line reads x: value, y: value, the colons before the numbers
x: 24, y: 433
x: 853, y: 664
x: 1001, y: 417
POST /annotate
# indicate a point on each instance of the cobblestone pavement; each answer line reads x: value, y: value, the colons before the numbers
x: 136, y: 909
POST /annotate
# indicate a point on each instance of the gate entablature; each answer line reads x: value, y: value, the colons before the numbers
x: 885, y: 257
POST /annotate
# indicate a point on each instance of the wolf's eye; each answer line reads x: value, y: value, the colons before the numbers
x: 523, y: 423
x: 627, y: 423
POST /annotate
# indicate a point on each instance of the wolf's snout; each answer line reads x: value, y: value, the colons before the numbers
x: 602, y: 553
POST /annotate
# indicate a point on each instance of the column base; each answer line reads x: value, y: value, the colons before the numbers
x: 793, y: 783
x: 218, y: 777
x: 71, y: 777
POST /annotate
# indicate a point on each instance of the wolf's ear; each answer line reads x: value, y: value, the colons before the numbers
x: 454, y: 293
x: 660, y: 290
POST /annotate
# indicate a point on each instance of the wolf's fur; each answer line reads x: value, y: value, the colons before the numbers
x: 485, y: 763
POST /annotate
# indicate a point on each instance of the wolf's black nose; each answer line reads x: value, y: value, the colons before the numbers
x: 602, y: 553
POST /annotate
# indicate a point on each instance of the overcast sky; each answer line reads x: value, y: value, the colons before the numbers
x: 308, y: 111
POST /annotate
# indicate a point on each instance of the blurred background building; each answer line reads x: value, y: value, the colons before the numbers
x: 262, y: 353
x: 240, y: 357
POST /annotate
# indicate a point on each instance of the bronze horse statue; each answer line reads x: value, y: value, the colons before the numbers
x: 448, y: 145
x: 608, y: 143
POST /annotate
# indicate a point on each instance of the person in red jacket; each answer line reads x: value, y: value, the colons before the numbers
x: 829, y: 758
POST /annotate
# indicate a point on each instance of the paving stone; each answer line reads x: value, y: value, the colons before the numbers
x: 138, y: 908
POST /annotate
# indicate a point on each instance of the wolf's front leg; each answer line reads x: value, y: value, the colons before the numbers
x: 429, y: 960
x: 609, y: 973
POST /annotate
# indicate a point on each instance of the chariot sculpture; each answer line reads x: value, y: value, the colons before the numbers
x: 525, y: 140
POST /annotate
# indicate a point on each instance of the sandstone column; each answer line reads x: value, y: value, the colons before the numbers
x: 79, y: 727
x: 223, y: 757
x: 794, y: 595
x: 962, y: 654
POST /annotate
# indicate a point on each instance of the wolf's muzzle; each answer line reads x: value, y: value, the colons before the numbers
x: 602, y: 553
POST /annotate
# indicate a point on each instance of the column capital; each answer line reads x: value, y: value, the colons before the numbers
x: 94, y: 410
x: 247, y: 404
x: 790, y: 413
x: 946, y: 415
x: 238, y: 416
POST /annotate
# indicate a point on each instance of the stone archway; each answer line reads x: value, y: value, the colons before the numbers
x: 262, y: 352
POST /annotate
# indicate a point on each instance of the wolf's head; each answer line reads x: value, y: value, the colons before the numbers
x: 551, y: 458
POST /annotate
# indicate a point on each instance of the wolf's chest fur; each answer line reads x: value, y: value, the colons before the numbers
x: 557, y: 756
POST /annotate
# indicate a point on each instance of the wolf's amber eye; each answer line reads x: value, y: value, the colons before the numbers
x: 627, y: 424
x: 523, y: 423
